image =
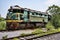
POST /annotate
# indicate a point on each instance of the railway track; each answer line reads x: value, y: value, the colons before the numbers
x: 15, y: 33
x: 34, y: 37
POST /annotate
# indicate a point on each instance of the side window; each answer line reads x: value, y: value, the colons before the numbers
x: 32, y: 13
x: 46, y: 16
x: 22, y: 11
x: 36, y: 13
x: 41, y: 14
x: 21, y: 18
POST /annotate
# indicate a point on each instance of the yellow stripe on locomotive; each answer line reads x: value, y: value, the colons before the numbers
x: 14, y: 20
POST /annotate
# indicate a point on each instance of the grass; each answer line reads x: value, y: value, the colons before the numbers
x: 15, y: 39
x: 49, y: 32
x: 38, y: 31
x: 23, y: 34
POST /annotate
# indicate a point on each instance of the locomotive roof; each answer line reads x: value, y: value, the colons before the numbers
x: 27, y: 9
x: 15, y: 7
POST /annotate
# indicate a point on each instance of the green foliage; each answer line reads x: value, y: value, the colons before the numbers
x: 3, y: 25
x: 53, y: 9
x: 49, y: 26
x: 55, y: 20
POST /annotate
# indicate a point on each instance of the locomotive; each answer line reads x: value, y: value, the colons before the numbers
x: 24, y: 18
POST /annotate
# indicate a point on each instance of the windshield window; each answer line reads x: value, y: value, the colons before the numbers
x: 17, y: 17
x: 17, y: 11
x: 14, y: 17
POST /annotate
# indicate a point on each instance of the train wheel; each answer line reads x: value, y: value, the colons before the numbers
x: 29, y: 25
x: 14, y: 26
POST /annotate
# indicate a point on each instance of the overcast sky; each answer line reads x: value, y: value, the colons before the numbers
x: 39, y: 5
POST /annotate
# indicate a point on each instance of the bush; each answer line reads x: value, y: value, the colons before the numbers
x: 55, y: 20
x: 49, y: 26
x: 3, y: 25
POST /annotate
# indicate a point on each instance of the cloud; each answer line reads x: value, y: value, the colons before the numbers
x: 51, y: 2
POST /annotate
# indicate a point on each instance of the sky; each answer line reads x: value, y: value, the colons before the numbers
x: 39, y: 5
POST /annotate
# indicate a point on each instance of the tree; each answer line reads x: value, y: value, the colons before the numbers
x: 53, y: 9
x: 55, y: 15
x: 56, y: 20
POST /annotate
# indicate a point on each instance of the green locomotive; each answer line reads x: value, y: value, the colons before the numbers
x: 24, y: 18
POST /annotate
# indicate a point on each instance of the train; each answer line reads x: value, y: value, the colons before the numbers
x: 25, y: 18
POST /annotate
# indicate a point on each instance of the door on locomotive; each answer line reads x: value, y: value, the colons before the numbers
x: 25, y: 15
x: 25, y: 22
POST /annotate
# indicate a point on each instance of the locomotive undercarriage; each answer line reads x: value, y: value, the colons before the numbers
x: 24, y: 25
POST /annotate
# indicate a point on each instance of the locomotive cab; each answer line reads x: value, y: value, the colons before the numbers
x: 14, y: 17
